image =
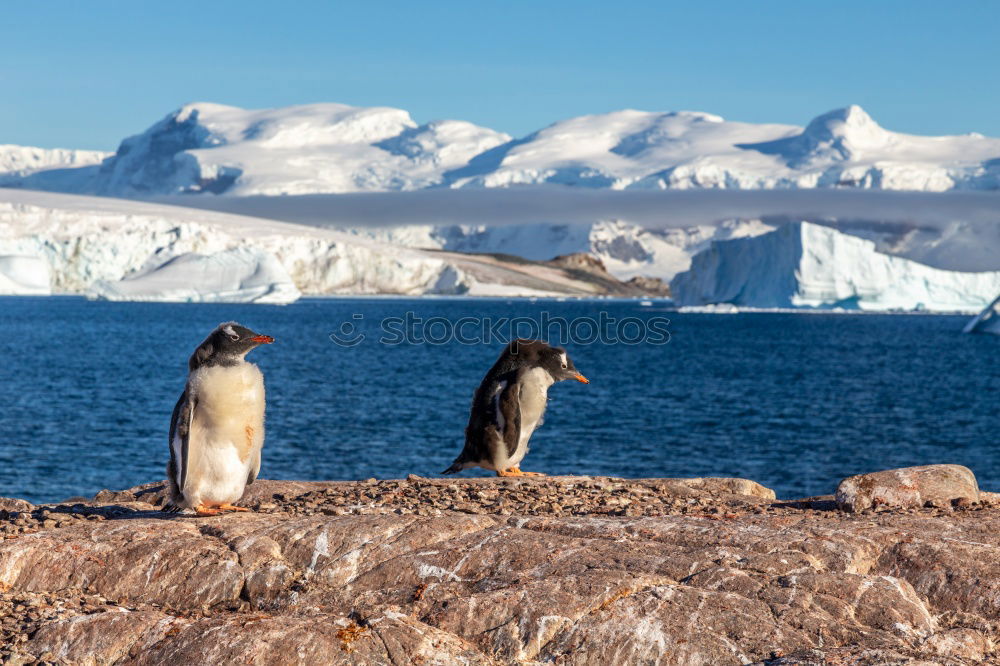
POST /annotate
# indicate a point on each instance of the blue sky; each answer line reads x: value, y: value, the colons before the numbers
x: 86, y: 74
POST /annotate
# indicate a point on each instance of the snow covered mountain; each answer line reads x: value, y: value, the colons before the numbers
x: 114, y: 248
x: 636, y: 149
x: 809, y: 265
x: 16, y: 162
x: 334, y: 148
x: 127, y: 250
x: 211, y: 148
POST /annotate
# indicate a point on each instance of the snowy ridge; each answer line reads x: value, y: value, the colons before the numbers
x: 685, y: 150
x: 335, y: 148
x: 809, y: 265
x: 16, y: 162
x: 211, y: 148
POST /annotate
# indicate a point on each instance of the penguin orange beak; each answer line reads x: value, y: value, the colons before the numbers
x: 580, y: 378
x: 265, y: 339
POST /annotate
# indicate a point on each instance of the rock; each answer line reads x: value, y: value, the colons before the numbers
x: 650, y: 286
x: 717, y: 485
x: 908, y: 487
x: 546, y: 572
x: 103, y: 638
x: 581, y: 261
x: 12, y: 505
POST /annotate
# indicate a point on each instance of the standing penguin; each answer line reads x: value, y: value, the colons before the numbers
x: 217, y: 428
x: 510, y: 404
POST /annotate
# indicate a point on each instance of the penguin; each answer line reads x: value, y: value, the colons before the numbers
x: 217, y: 427
x: 510, y: 404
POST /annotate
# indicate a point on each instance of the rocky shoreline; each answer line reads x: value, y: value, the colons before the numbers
x: 900, y: 567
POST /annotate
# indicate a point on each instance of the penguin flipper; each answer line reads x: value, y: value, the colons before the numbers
x: 179, y: 441
x: 509, y: 409
x: 254, y: 468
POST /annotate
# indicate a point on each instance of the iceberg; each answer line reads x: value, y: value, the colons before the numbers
x: 805, y: 265
x: 24, y: 276
x: 240, y: 275
x: 987, y: 321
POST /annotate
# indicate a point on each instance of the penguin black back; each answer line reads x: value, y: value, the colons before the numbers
x: 502, y: 384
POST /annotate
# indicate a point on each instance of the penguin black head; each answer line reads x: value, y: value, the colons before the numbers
x: 226, y: 345
x: 539, y: 354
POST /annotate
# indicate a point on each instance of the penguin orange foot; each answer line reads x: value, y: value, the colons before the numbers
x: 516, y: 471
x: 230, y: 507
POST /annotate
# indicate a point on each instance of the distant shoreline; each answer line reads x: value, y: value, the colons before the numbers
x: 656, y: 304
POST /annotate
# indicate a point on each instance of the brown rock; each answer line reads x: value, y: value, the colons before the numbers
x: 937, y: 485
x: 103, y: 638
x: 721, y: 574
x: 12, y: 505
x: 170, y: 562
x: 650, y: 286
x: 721, y: 485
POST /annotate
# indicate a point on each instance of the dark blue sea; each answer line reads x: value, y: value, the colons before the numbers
x: 794, y: 401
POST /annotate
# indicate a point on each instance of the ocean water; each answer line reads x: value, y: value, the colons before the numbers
x: 794, y: 401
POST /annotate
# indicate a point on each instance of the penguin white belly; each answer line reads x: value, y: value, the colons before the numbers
x: 226, y: 432
x: 533, y: 398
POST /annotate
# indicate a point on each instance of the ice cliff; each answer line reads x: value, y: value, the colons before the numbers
x: 809, y: 265
x: 128, y: 250
x: 237, y: 275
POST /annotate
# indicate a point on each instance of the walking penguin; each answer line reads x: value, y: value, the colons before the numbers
x: 510, y: 404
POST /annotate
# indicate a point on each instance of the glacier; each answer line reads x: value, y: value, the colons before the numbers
x: 987, y: 321
x: 128, y: 250
x: 239, y: 275
x: 209, y: 149
x: 125, y: 249
x: 805, y: 265
x: 108, y: 244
